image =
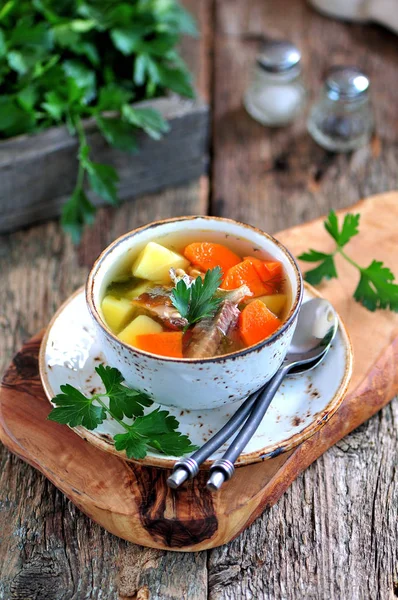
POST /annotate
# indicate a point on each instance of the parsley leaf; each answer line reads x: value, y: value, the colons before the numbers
x: 325, y: 270
x: 118, y: 133
x: 113, y: 97
x: 73, y: 408
x: 348, y: 230
x: 123, y: 401
x: 376, y: 288
x: 156, y: 422
x: 149, y: 119
x: 103, y: 180
x: 157, y: 430
x: 76, y: 213
x: 134, y: 445
x: 197, y: 301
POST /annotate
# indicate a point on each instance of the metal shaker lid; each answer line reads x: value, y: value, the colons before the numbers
x: 278, y: 56
x: 346, y: 83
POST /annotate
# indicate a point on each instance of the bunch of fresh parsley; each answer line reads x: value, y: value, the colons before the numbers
x: 198, y: 301
x: 156, y: 429
x: 62, y: 61
x: 376, y: 287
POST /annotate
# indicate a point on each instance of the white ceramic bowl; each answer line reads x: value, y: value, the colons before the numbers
x: 191, y: 383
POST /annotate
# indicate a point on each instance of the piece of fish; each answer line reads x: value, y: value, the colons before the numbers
x: 208, y: 333
x: 157, y: 302
x: 177, y: 275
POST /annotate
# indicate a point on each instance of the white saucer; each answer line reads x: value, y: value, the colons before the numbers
x: 70, y: 352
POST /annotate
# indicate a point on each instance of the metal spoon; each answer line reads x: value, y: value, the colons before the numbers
x: 188, y: 467
x: 316, y: 327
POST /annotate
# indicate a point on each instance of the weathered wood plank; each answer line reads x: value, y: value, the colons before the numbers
x: 334, y: 533
x: 38, y: 172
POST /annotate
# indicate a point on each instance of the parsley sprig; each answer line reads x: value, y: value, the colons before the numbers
x: 376, y: 288
x: 157, y: 429
x: 62, y: 62
x: 197, y: 301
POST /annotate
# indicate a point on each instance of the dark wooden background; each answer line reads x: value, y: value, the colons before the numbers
x: 334, y: 534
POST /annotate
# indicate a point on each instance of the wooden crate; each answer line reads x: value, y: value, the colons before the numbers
x: 38, y: 172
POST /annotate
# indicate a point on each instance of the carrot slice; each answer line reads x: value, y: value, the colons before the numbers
x: 208, y: 255
x: 244, y: 273
x: 269, y: 271
x: 259, y: 266
x: 257, y: 322
x: 167, y: 343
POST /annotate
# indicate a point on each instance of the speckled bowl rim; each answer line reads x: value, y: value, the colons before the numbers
x: 270, y: 451
x: 212, y: 359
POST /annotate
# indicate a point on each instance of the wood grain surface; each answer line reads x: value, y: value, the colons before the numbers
x: 333, y: 534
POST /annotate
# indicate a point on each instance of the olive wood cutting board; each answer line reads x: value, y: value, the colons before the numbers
x: 133, y: 501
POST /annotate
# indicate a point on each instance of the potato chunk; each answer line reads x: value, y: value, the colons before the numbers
x: 138, y: 290
x: 155, y: 261
x: 140, y: 326
x: 117, y: 312
x: 275, y: 302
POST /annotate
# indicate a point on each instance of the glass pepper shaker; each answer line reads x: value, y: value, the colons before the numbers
x: 341, y: 119
x: 276, y: 94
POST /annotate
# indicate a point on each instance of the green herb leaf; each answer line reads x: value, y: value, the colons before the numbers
x: 55, y: 105
x: 313, y: 256
x: 173, y: 443
x: 154, y: 430
x: 13, y: 119
x: 325, y: 270
x: 3, y: 46
x: 376, y: 288
x: 17, y: 62
x: 349, y: 228
x: 150, y: 120
x: 181, y: 298
x: 175, y: 79
x: 134, y: 445
x: 76, y: 213
x: 83, y: 77
x: 7, y: 9
x: 118, y: 133
x: 141, y: 67
x: 197, y: 301
x: 156, y: 422
x: 27, y: 97
x: 126, y: 40
x: 103, y: 180
x: 112, y: 97
x: 157, y: 429
x: 163, y: 43
x: 74, y: 408
x: 123, y: 401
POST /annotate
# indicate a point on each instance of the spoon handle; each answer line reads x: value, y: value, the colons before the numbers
x: 223, y: 468
x: 188, y: 467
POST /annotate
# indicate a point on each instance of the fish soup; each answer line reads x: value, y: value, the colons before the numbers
x: 200, y: 296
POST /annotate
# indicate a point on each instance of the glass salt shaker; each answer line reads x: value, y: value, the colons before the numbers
x: 276, y: 94
x: 342, y: 120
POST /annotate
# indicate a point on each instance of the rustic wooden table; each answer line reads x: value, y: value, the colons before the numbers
x: 334, y: 533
